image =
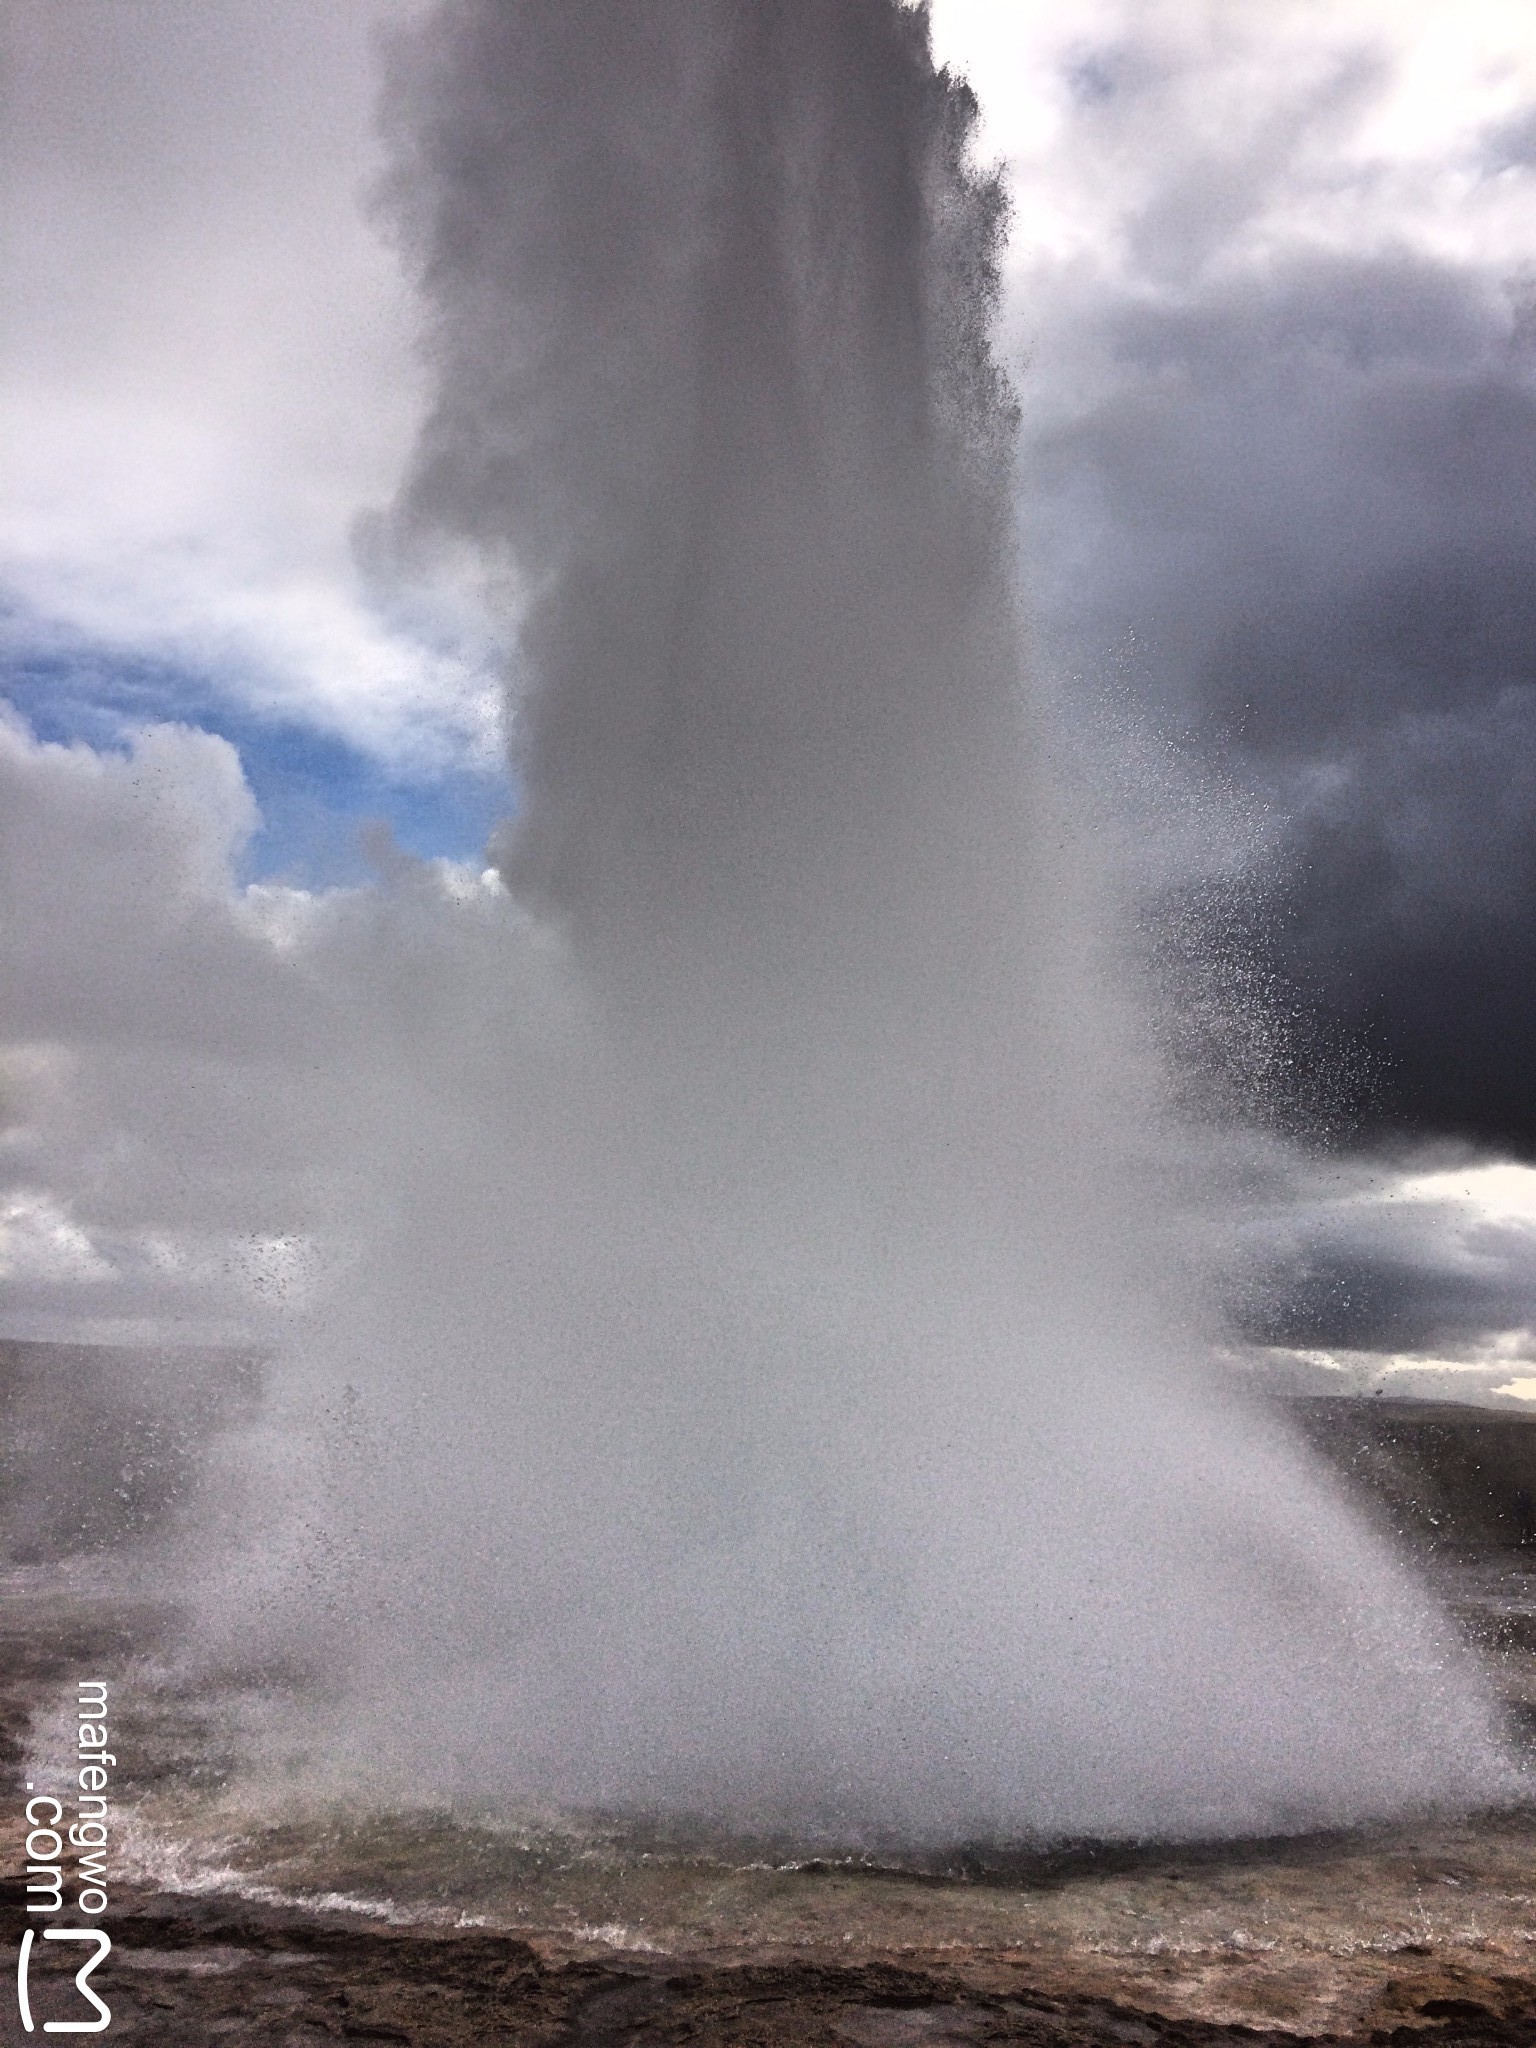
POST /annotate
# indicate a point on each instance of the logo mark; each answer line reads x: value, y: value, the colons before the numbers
x: 23, y: 1987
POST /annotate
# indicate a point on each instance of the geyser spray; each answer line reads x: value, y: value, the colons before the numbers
x: 772, y: 1397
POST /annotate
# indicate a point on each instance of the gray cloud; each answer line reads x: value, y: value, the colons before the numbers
x: 208, y: 369
x: 1424, y: 1278
x: 1305, y: 487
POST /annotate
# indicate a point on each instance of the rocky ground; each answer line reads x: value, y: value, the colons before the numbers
x: 210, y: 1971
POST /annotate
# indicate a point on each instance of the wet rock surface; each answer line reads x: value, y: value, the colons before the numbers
x: 204, y: 1971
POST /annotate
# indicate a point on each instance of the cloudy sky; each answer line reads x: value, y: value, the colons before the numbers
x: 1271, y: 313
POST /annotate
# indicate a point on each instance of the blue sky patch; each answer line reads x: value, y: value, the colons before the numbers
x: 315, y: 791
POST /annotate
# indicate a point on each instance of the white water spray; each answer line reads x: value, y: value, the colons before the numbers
x: 773, y: 1398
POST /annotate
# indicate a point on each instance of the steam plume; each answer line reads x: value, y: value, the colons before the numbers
x: 773, y: 1388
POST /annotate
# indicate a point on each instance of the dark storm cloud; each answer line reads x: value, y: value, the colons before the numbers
x: 1310, y: 492
x: 1421, y: 1279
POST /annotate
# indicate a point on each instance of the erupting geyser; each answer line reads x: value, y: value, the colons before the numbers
x: 771, y: 1387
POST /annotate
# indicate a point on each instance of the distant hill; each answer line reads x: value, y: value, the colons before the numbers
x: 1455, y: 1479
x: 98, y: 1443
